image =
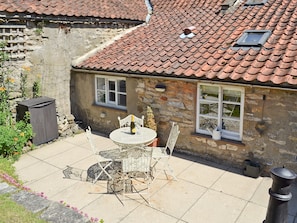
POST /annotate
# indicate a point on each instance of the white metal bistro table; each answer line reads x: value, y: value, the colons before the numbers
x: 122, y: 137
x: 143, y: 136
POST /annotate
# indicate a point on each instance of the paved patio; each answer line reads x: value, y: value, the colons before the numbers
x: 204, y: 192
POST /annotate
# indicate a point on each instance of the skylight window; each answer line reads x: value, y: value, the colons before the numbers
x: 253, y: 38
x: 255, y: 2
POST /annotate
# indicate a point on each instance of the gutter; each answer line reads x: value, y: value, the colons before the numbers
x: 63, y: 19
x: 179, y: 78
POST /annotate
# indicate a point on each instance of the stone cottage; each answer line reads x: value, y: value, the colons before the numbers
x: 43, y: 37
x: 226, y: 71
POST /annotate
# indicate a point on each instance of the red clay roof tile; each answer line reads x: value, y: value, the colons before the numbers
x: 263, y: 78
x: 113, y: 9
x: 210, y: 53
x: 267, y: 71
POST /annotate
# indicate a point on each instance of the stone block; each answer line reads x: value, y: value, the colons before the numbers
x: 31, y: 202
x: 6, y: 188
x: 58, y: 213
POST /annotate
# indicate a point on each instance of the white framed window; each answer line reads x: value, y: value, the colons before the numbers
x: 110, y: 91
x: 220, y: 107
x: 255, y: 2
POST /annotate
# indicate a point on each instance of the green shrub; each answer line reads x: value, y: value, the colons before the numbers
x: 14, y: 135
x: 13, y: 138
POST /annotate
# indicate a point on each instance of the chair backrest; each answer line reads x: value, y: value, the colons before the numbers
x: 125, y: 122
x: 89, y: 137
x: 136, y: 159
x: 172, y: 138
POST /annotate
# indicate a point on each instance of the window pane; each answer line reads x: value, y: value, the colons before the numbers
x: 231, y: 125
x: 231, y: 95
x: 122, y: 100
x: 253, y: 37
x: 209, y: 92
x: 100, y: 83
x: 101, y: 96
x: 111, y: 85
x: 231, y: 110
x: 111, y: 96
x: 208, y: 108
x: 207, y: 123
x: 122, y: 86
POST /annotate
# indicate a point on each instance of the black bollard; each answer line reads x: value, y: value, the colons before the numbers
x: 280, y: 194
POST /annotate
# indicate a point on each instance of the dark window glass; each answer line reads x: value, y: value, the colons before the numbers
x: 111, y: 85
x: 122, y: 100
x: 122, y: 86
x: 111, y: 96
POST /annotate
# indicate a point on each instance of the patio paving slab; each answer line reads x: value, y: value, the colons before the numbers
x: 252, y: 213
x: 50, y: 150
x: 51, y: 184
x: 237, y: 185
x: 214, y: 207
x: 204, y: 191
x: 196, y: 174
x: 176, y: 197
x: 36, y: 171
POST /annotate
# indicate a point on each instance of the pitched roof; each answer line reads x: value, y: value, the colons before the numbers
x: 157, y: 49
x: 111, y: 9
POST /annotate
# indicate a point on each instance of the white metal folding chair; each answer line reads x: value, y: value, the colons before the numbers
x: 103, y: 163
x: 125, y: 122
x: 136, y: 170
x: 162, y: 155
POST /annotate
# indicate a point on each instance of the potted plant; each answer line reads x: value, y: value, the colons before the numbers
x: 151, y: 123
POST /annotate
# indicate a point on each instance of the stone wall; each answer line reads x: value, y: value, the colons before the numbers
x: 270, y: 125
x: 272, y: 145
x: 50, y: 50
x: 56, y: 49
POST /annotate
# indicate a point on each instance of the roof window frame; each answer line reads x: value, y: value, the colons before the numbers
x: 241, y: 42
x: 255, y: 3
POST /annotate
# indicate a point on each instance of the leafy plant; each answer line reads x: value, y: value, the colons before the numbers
x: 24, y: 77
x: 36, y: 89
x: 39, y: 28
x: 14, y: 135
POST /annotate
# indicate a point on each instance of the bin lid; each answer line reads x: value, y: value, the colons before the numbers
x: 35, y: 101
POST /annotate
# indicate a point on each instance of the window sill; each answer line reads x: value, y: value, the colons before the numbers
x: 221, y: 141
x: 109, y: 106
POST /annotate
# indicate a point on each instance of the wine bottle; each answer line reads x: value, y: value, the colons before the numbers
x: 132, y: 125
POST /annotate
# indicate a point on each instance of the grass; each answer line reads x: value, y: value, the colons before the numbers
x: 6, y: 166
x: 10, y: 211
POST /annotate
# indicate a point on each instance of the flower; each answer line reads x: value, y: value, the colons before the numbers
x: 10, y: 80
x: 22, y: 134
x: 26, y: 68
